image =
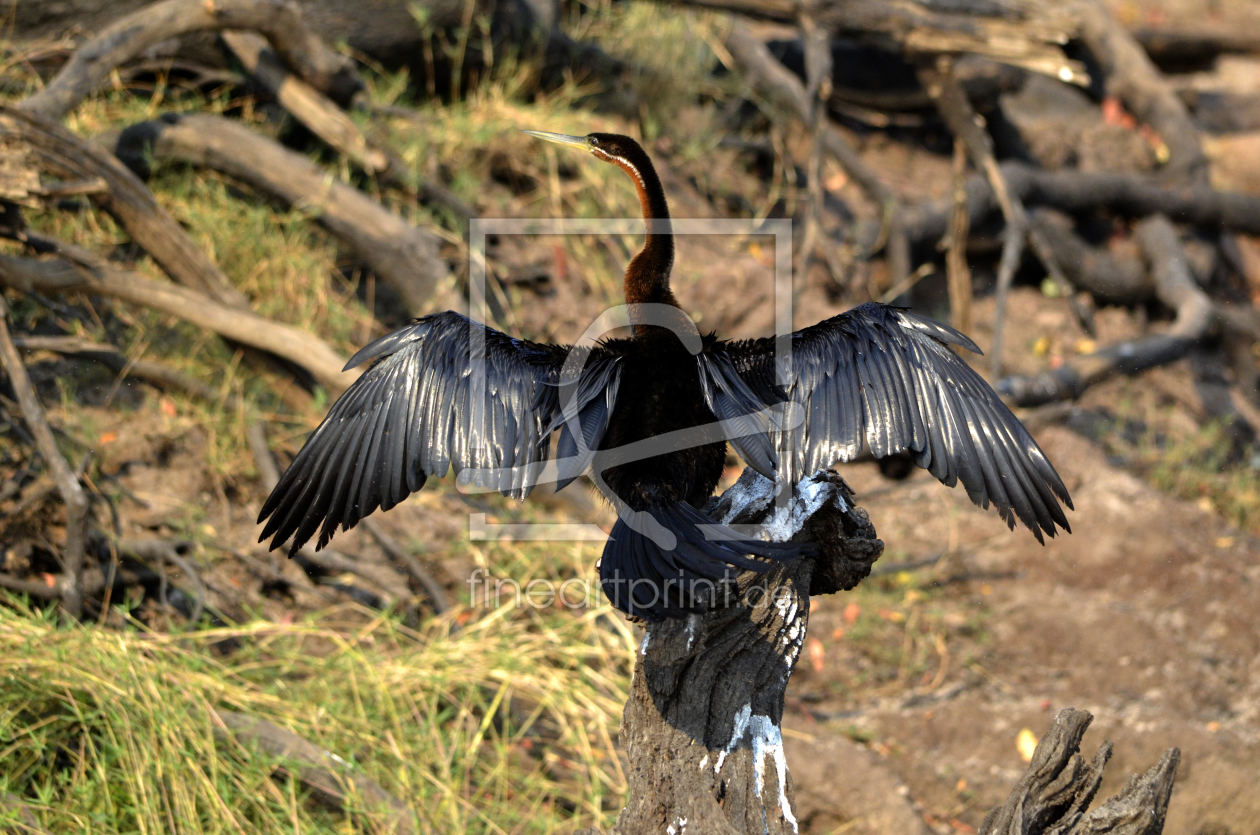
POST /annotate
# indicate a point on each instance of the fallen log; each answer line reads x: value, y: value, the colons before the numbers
x: 319, y: 114
x: 323, y: 118
x: 1183, y: 50
x: 1028, y: 33
x: 403, y: 255
x: 280, y: 20
x: 1108, y: 279
x: 59, y: 275
x: 57, y: 151
x: 323, y: 772
x: 1079, y: 192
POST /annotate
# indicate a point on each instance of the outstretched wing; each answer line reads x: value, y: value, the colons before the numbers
x: 888, y: 378
x: 414, y: 414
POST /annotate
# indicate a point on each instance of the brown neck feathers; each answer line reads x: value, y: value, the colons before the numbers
x: 647, y: 277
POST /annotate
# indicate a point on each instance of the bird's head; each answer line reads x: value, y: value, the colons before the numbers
x: 609, y: 147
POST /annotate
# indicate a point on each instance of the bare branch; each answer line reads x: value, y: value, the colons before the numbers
x: 432, y: 588
x: 243, y: 326
x: 280, y: 20
x: 403, y: 255
x: 308, y: 105
x: 59, y: 152
x: 1132, y: 78
x: 71, y: 585
x: 779, y: 85
x: 1173, y: 285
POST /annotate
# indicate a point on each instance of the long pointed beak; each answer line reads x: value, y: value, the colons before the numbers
x: 579, y: 142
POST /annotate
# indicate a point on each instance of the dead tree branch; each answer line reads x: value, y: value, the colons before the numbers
x: 1129, y: 195
x: 280, y: 20
x: 957, y: 273
x: 66, y: 156
x: 155, y: 373
x: 325, y: 773
x: 780, y: 86
x: 1054, y: 794
x: 1110, y: 280
x: 963, y: 121
x: 397, y: 555
x: 308, y: 105
x: 1173, y: 285
x: 72, y: 494
x: 59, y: 275
x: 403, y: 255
x: 328, y: 559
x: 1030, y: 37
x: 161, y: 551
x: 1131, y: 77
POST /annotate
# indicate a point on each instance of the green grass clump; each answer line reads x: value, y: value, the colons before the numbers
x: 1199, y: 467
x: 505, y: 725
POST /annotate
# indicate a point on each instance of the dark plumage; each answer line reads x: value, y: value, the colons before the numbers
x: 878, y: 376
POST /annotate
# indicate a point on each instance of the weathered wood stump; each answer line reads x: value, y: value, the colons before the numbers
x: 702, y: 725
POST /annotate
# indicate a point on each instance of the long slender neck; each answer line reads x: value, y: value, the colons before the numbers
x: 647, y: 277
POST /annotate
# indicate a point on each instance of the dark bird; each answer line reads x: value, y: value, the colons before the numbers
x: 650, y: 415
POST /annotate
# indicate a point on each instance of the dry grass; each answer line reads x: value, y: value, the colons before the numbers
x: 504, y: 726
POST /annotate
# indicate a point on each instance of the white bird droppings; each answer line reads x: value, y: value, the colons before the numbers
x: 768, y: 741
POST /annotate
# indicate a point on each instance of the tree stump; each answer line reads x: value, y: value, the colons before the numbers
x: 702, y: 725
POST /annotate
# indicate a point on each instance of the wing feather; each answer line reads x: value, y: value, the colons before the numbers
x: 891, y: 379
x: 412, y: 415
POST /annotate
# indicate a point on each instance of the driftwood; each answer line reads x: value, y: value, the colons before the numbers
x: 72, y: 494
x: 58, y: 152
x: 62, y: 275
x: 403, y: 255
x: 322, y: 771
x: 280, y: 20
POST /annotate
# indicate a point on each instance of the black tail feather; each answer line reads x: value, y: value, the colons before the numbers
x: 646, y: 575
